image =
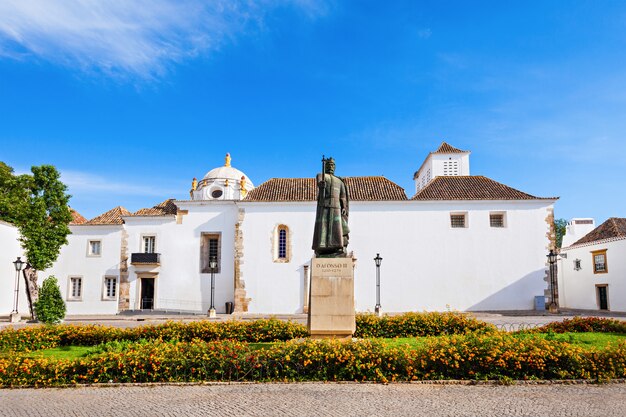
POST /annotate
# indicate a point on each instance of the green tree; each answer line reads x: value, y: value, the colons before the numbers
x: 50, y: 307
x: 560, y: 227
x: 38, y: 205
x: 13, y: 194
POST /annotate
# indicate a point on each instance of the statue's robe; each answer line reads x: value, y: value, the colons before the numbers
x: 331, y: 219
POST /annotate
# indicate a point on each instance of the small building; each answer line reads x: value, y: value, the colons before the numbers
x: 592, y: 269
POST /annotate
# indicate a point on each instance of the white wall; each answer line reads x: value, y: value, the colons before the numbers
x: 427, y: 265
x: 75, y: 261
x: 10, y: 249
x: 577, y: 289
x: 180, y: 285
x: 576, y: 229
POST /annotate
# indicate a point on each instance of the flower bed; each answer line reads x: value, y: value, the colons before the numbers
x: 585, y: 324
x: 472, y: 356
x: 418, y: 324
x: 42, y: 337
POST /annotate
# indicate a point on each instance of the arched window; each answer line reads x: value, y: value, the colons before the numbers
x: 282, y: 244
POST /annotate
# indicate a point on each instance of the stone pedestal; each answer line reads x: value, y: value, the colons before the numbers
x: 14, y: 317
x: 331, y: 302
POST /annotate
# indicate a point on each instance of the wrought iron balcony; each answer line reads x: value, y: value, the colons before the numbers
x: 145, y: 259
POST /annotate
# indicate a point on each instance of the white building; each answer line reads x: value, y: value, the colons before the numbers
x: 461, y: 242
x: 592, y: 269
x: 9, y: 251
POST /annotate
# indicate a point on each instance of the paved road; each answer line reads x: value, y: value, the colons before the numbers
x: 317, y: 399
x: 504, y: 320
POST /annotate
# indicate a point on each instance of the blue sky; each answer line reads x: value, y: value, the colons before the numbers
x: 132, y: 99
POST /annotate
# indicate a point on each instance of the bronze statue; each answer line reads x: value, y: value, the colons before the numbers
x: 330, y: 238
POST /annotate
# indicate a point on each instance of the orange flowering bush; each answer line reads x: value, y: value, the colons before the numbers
x: 41, y: 337
x: 417, y: 324
x: 585, y: 324
x: 472, y: 356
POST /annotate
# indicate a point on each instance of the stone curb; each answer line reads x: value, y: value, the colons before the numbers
x: 461, y: 382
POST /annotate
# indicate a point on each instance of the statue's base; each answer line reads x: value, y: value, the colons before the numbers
x: 331, y: 299
x: 15, y: 318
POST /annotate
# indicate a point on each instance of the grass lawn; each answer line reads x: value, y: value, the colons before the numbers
x: 585, y: 340
x: 64, y: 352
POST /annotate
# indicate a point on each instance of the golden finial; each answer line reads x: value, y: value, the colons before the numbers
x: 227, y: 163
x: 242, y: 186
x: 194, y: 186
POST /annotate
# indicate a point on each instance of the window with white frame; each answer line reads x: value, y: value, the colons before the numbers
x: 110, y: 288
x: 496, y: 219
x: 458, y: 220
x: 75, y: 291
x: 149, y: 244
x: 94, y: 248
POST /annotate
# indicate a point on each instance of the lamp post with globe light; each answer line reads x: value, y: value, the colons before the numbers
x: 15, y: 315
x: 213, y: 267
x: 554, y: 305
x: 378, y: 261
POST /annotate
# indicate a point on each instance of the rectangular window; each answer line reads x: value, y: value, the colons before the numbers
x: 458, y: 220
x: 577, y: 265
x: 149, y: 244
x: 95, y: 248
x: 599, y: 262
x: 210, y: 246
x: 110, y: 288
x: 76, y: 288
x: 496, y: 220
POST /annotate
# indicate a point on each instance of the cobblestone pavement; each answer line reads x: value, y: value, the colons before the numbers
x: 318, y: 399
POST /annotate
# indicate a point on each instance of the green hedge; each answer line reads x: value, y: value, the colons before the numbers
x: 471, y: 357
x: 418, y: 324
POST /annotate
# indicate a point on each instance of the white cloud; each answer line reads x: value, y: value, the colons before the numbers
x: 126, y: 37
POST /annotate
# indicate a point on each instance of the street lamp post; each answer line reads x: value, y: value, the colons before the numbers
x: 378, y: 260
x: 213, y: 266
x: 15, y: 315
x: 554, y: 305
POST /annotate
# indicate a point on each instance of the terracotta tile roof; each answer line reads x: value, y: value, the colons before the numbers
x: 165, y: 208
x: 113, y: 216
x: 304, y: 189
x: 615, y: 227
x: 475, y: 187
x: 447, y: 148
x: 77, y: 218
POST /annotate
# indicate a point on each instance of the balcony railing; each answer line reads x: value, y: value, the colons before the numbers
x: 145, y: 258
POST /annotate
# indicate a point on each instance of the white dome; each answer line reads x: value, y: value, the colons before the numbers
x: 226, y: 173
x: 222, y: 183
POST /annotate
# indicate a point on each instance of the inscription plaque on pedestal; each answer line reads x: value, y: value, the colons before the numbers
x: 331, y: 298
